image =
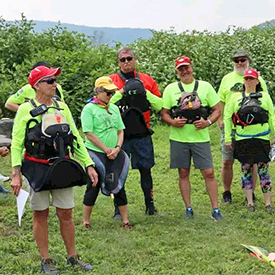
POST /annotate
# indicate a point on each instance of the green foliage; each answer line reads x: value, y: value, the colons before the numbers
x: 166, y: 245
x: 82, y: 61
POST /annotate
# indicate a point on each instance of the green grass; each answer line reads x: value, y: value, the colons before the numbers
x: 169, y: 244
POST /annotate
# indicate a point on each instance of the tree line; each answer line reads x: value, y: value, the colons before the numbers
x: 82, y: 61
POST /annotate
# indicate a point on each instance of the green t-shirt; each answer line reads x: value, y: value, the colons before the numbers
x: 19, y: 128
x: 98, y: 121
x: 229, y: 81
x: 234, y: 105
x: 207, y: 96
x: 26, y: 93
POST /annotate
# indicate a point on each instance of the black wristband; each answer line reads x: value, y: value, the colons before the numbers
x: 119, y: 146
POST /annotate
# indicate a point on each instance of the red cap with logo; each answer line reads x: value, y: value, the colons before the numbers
x: 41, y: 72
x: 182, y: 60
x: 251, y: 73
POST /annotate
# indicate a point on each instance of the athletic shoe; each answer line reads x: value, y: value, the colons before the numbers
x: 75, y: 261
x: 269, y: 209
x: 151, y: 210
x: 3, y: 189
x: 189, y: 213
x: 216, y: 215
x: 251, y: 207
x: 227, y: 198
x: 117, y: 215
x: 3, y: 178
x: 48, y: 266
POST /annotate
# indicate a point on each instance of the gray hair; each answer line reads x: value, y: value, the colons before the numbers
x: 126, y: 50
x: 98, y: 90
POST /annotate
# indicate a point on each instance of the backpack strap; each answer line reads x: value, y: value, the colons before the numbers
x: 195, y: 87
x: 32, y: 102
x: 124, y: 78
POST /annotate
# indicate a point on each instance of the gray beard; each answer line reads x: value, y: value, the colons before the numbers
x: 241, y: 71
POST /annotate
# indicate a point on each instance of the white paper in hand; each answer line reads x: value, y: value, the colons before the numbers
x: 21, y: 201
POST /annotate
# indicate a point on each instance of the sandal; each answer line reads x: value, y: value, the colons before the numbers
x: 87, y: 226
x: 127, y: 225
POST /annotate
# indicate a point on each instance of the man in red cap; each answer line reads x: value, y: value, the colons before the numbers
x: 138, y: 146
x: 45, y: 129
x: 185, y: 108
x: 232, y: 82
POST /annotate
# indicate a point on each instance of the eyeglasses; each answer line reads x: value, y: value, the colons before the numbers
x: 109, y: 93
x: 238, y: 60
x: 128, y: 58
x: 49, y: 81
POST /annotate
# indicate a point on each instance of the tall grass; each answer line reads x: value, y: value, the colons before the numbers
x: 167, y: 244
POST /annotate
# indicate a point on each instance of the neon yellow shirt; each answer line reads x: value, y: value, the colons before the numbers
x: 234, y: 105
x: 207, y: 96
x: 229, y: 81
x: 26, y: 93
x: 19, y: 128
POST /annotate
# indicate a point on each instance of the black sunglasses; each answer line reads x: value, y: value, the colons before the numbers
x: 128, y: 58
x: 109, y: 93
x: 238, y: 60
x: 49, y: 81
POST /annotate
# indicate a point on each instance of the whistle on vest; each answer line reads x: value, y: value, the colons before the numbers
x: 190, y: 105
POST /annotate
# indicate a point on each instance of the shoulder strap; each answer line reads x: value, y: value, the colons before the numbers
x: 56, y: 104
x: 33, y: 103
x: 124, y: 78
x: 195, y: 87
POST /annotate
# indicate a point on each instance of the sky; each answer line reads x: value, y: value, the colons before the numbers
x: 211, y: 15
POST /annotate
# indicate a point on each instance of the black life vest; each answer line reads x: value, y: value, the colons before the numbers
x: 250, y: 111
x: 50, y: 138
x: 132, y: 106
x: 46, y: 162
x: 189, y: 106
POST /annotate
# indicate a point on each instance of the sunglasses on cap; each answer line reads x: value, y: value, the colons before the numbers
x: 49, y: 81
x: 128, y: 58
x: 238, y: 60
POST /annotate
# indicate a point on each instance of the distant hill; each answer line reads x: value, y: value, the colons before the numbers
x: 265, y: 24
x: 102, y: 35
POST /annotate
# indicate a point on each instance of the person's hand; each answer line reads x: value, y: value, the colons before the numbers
x: 4, y: 151
x: 179, y: 122
x: 93, y: 175
x: 113, y: 153
x: 228, y: 145
x: 221, y: 123
x: 201, y: 124
x: 16, y: 184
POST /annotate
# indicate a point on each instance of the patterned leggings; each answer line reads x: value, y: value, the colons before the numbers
x: 265, y: 180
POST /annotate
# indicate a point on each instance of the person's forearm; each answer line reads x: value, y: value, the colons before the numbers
x: 120, y: 137
x: 97, y: 142
x: 16, y: 171
x: 12, y: 106
x: 166, y: 117
x: 221, y: 109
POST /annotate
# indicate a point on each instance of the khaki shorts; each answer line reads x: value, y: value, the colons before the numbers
x: 60, y: 198
x: 227, y: 154
x: 182, y: 152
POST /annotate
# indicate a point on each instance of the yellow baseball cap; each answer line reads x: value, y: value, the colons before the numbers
x: 105, y: 82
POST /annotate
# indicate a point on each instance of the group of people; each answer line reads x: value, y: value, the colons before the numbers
x: 116, y: 125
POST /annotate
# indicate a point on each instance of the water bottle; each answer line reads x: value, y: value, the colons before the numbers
x: 272, y: 153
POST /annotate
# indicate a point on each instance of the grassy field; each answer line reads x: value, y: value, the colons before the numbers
x: 167, y: 244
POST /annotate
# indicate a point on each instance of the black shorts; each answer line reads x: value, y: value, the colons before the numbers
x: 252, y: 150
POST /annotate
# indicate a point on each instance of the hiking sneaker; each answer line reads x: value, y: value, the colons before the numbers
x: 151, y: 210
x: 216, y: 215
x: 48, y: 266
x: 3, y: 178
x: 189, y: 213
x: 251, y: 208
x: 227, y: 199
x: 269, y: 209
x: 75, y: 261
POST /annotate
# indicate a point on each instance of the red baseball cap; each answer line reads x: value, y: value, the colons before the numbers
x: 41, y: 72
x: 182, y: 60
x: 251, y: 73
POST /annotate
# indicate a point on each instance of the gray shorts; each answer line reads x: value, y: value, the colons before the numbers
x: 61, y: 198
x: 227, y: 154
x: 182, y: 152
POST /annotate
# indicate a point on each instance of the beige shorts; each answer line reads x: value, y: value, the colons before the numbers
x: 60, y: 198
